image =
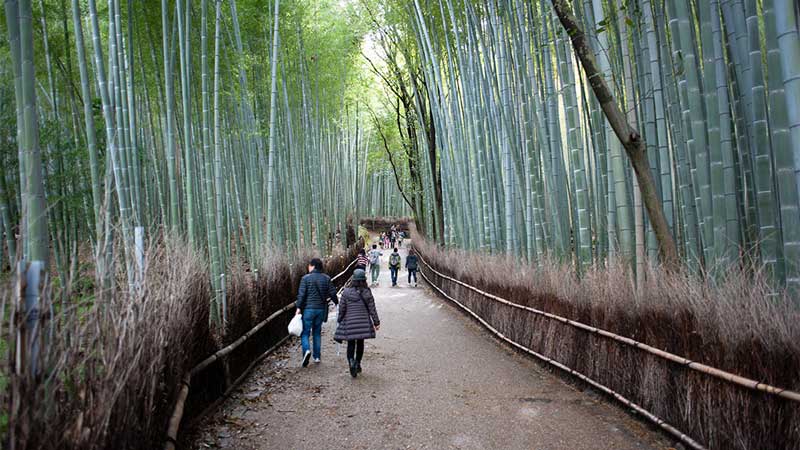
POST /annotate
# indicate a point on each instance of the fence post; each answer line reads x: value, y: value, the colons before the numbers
x: 19, y: 297
x: 138, y: 237
x: 32, y: 287
x: 223, y: 299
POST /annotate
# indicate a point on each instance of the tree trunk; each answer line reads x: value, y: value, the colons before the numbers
x: 632, y: 141
x: 437, y: 182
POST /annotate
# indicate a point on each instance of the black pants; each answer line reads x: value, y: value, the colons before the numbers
x: 355, y: 346
x: 412, y: 272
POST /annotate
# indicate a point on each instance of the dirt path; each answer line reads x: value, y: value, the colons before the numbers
x: 433, y: 379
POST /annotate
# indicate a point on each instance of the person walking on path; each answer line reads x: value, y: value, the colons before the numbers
x: 375, y: 263
x: 313, y: 295
x: 358, y: 319
x: 394, y: 265
x: 411, y: 266
x: 361, y: 260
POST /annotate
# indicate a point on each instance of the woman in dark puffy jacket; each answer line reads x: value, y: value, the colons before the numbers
x: 358, y: 319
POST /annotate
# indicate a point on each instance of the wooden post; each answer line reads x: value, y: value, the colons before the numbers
x: 138, y: 233
x: 33, y: 279
x: 19, y: 292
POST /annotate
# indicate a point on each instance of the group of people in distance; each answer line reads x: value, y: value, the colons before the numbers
x: 392, y: 238
x: 373, y: 261
x: 358, y: 318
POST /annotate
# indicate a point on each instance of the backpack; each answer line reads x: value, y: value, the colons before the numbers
x: 411, y: 262
x: 374, y: 257
x: 394, y: 260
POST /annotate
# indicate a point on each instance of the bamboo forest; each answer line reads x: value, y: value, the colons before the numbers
x: 609, y: 187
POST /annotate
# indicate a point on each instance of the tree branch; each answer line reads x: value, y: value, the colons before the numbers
x: 632, y: 141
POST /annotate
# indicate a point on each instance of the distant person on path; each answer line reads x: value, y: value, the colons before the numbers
x: 313, y: 295
x: 411, y: 266
x: 394, y: 265
x: 361, y: 260
x: 358, y: 319
x: 375, y: 263
x: 392, y: 236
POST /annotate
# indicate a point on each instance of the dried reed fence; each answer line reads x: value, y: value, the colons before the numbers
x: 221, y: 354
x: 111, y: 368
x: 380, y: 224
x: 732, y: 325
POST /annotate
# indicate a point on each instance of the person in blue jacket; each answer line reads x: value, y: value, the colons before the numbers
x: 316, y: 290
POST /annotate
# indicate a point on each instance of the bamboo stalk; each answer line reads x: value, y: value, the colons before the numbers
x: 631, y: 140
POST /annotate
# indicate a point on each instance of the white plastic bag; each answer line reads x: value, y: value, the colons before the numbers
x: 296, y: 325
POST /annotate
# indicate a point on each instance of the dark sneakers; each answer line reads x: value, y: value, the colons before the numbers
x: 306, y: 358
x: 358, y: 366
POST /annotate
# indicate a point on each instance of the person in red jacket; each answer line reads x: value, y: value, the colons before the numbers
x: 361, y: 260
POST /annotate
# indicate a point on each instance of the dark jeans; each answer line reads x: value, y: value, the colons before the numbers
x: 355, y: 349
x: 394, y: 271
x: 410, y: 273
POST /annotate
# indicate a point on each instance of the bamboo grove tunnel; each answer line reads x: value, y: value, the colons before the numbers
x: 601, y: 198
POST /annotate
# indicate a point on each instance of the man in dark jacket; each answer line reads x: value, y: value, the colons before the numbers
x: 313, y: 295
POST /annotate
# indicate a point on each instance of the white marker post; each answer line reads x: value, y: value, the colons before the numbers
x: 138, y: 238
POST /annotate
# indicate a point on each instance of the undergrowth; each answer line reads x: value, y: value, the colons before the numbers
x: 110, y: 368
x: 733, y: 324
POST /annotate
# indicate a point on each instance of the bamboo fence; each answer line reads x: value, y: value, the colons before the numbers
x: 650, y: 416
x: 703, y: 368
x: 699, y: 367
x: 183, y: 394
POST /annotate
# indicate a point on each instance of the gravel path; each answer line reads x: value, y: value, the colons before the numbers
x: 433, y: 379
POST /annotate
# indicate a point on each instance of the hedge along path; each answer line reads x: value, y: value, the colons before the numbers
x: 655, y: 419
x: 703, y: 368
x: 177, y: 414
x: 741, y: 381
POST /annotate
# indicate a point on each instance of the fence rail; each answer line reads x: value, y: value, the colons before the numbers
x: 177, y: 414
x: 718, y: 373
x: 721, y: 374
